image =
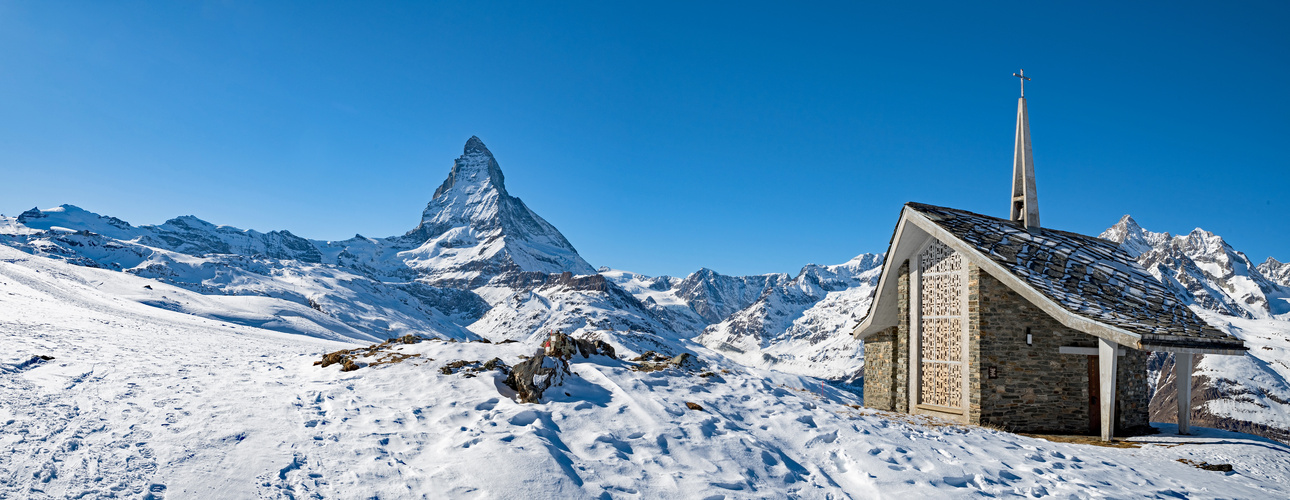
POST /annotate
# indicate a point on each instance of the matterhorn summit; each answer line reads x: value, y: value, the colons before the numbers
x: 473, y: 230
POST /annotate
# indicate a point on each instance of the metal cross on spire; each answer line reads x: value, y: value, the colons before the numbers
x: 1025, y: 200
x: 1023, y: 78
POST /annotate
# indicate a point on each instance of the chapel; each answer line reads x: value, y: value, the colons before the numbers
x: 1002, y: 322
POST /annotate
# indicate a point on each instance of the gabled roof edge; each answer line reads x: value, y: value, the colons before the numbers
x: 865, y: 328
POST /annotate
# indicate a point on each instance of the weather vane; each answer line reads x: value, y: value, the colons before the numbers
x: 1023, y: 77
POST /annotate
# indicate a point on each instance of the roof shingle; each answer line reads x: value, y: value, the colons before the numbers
x: 1087, y: 276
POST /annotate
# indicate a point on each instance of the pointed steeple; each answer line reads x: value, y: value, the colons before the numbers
x: 1025, y: 201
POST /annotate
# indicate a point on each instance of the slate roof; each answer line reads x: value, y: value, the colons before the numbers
x: 1087, y: 276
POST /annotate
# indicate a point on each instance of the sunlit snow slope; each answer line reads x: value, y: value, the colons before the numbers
x: 140, y: 401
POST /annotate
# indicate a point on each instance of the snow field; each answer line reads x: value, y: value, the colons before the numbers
x: 141, y: 401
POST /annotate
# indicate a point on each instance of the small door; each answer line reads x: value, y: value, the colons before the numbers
x: 1094, y: 392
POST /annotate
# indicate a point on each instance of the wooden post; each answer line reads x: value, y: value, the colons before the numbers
x: 1182, y: 383
x: 1106, y: 365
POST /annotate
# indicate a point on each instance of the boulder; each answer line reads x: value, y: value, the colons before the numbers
x: 532, y: 377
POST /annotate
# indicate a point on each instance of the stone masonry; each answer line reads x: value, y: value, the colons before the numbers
x: 886, y: 367
x: 879, y: 378
x: 1036, y: 388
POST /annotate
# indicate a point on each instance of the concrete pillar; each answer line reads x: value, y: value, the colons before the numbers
x: 915, y: 330
x: 1106, y: 366
x: 1182, y: 383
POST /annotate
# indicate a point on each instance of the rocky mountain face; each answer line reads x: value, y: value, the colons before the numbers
x: 471, y: 231
x: 1242, y: 393
x: 1277, y: 272
x: 1204, y: 270
x: 801, y: 325
x: 714, y: 296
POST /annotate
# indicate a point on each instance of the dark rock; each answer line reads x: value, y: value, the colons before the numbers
x: 589, y: 347
x: 532, y: 377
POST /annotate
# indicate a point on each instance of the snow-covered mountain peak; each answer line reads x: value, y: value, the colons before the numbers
x: 473, y: 230
x: 1207, y: 242
x: 476, y: 170
x: 1133, y: 238
x: 73, y: 217
x: 802, y: 325
x: 1276, y: 271
x: 1204, y: 270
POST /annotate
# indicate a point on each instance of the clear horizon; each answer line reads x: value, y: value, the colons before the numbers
x: 659, y: 140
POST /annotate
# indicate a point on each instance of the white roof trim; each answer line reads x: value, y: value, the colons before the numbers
x: 884, y: 310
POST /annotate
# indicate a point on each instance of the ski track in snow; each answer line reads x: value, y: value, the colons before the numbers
x: 142, y: 402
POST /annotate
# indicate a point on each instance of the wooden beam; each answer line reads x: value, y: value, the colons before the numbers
x: 1084, y: 351
x: 1148, y: 346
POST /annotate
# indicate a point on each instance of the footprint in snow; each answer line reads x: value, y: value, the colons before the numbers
x: 155, y: 491
x: 524, y: 418
x: 959, y: 481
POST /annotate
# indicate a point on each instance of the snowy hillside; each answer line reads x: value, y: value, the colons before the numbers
x: 1244, y: 393
x: 144, y: 402
x: 294, y: 296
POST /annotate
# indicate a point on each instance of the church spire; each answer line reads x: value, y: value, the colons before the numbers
x: 1025, y: 201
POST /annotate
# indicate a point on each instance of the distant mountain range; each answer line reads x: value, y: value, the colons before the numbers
x: 482, y: 265
x: 1247, y: 393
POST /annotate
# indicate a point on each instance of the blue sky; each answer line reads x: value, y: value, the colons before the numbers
x: 659, y: 138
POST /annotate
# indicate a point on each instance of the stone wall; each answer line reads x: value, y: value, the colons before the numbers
x: 1036, y: 388
x: 879, y: 376
x: 1134, y: 392
x: 975, y: 373
x: 886, y: 360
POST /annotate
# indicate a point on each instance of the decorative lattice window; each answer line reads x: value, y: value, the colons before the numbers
x: 942, y: 321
